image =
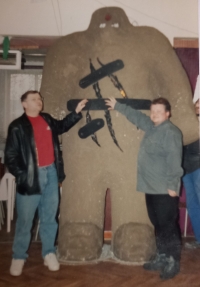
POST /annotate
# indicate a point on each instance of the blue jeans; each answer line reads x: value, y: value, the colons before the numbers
x: 191, y: 183
x: 47, y: 204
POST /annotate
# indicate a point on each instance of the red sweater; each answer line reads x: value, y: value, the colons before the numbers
x: 43, y: 141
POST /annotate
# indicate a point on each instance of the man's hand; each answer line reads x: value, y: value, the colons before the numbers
x: 172, y: 193
x: 80, y: 106
x: 110, y: 103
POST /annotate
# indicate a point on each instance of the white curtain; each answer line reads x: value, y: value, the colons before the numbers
x: 12, y: 85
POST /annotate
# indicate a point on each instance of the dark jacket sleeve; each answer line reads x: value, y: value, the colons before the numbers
x: 13, y: 159
x: 173, y: 149
x: 62, y: 126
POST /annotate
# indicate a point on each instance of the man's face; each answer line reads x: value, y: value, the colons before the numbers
x: 158, y: 114
x: 33, y: 104
x: 196, y: 105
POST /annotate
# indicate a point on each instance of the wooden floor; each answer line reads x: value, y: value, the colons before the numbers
x: 102, y: 274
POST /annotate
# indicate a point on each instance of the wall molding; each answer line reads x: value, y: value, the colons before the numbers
x: 44, y: 42
x: 186, y: 42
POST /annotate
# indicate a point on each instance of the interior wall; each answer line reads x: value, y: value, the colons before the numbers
x: 174, y: 18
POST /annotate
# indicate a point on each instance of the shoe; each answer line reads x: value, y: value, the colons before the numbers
x: 16, y: 267
x: 171, y: 268
x: 155, y: 263
x: 192, y: 245
x: 51, y: 262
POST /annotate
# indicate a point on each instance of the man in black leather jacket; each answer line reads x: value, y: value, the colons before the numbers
x: 33, y: 156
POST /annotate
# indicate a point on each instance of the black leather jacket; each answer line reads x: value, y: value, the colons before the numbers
x: 20, y: 150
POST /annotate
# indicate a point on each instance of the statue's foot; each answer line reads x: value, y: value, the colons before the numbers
x: 134, y: 242
x: 80, y: 242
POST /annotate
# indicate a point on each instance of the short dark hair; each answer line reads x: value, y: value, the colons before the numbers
x: 25, y: 95
x: 164, y: 102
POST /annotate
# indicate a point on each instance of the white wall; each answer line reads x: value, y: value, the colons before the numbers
x: 174, y: 18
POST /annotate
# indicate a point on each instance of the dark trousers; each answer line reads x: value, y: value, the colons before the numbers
x: 163, y: 213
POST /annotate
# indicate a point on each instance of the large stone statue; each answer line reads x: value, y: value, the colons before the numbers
x: 110, y: 58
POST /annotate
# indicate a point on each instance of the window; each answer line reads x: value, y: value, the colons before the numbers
x: 12, y: 85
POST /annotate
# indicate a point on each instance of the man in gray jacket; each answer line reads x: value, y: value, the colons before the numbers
x: 158, y: 176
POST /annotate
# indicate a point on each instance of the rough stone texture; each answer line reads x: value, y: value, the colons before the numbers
x: 80, y: 242
x: 134, y: 242
x: 151, y: 69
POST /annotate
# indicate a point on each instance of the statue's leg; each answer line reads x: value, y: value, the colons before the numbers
x: 82, y: 215
x: 133, y: 236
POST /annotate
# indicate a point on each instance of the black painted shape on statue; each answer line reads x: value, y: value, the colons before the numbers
x: 99, y: 104
x: 91, y: 128
x: 102, y: 72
